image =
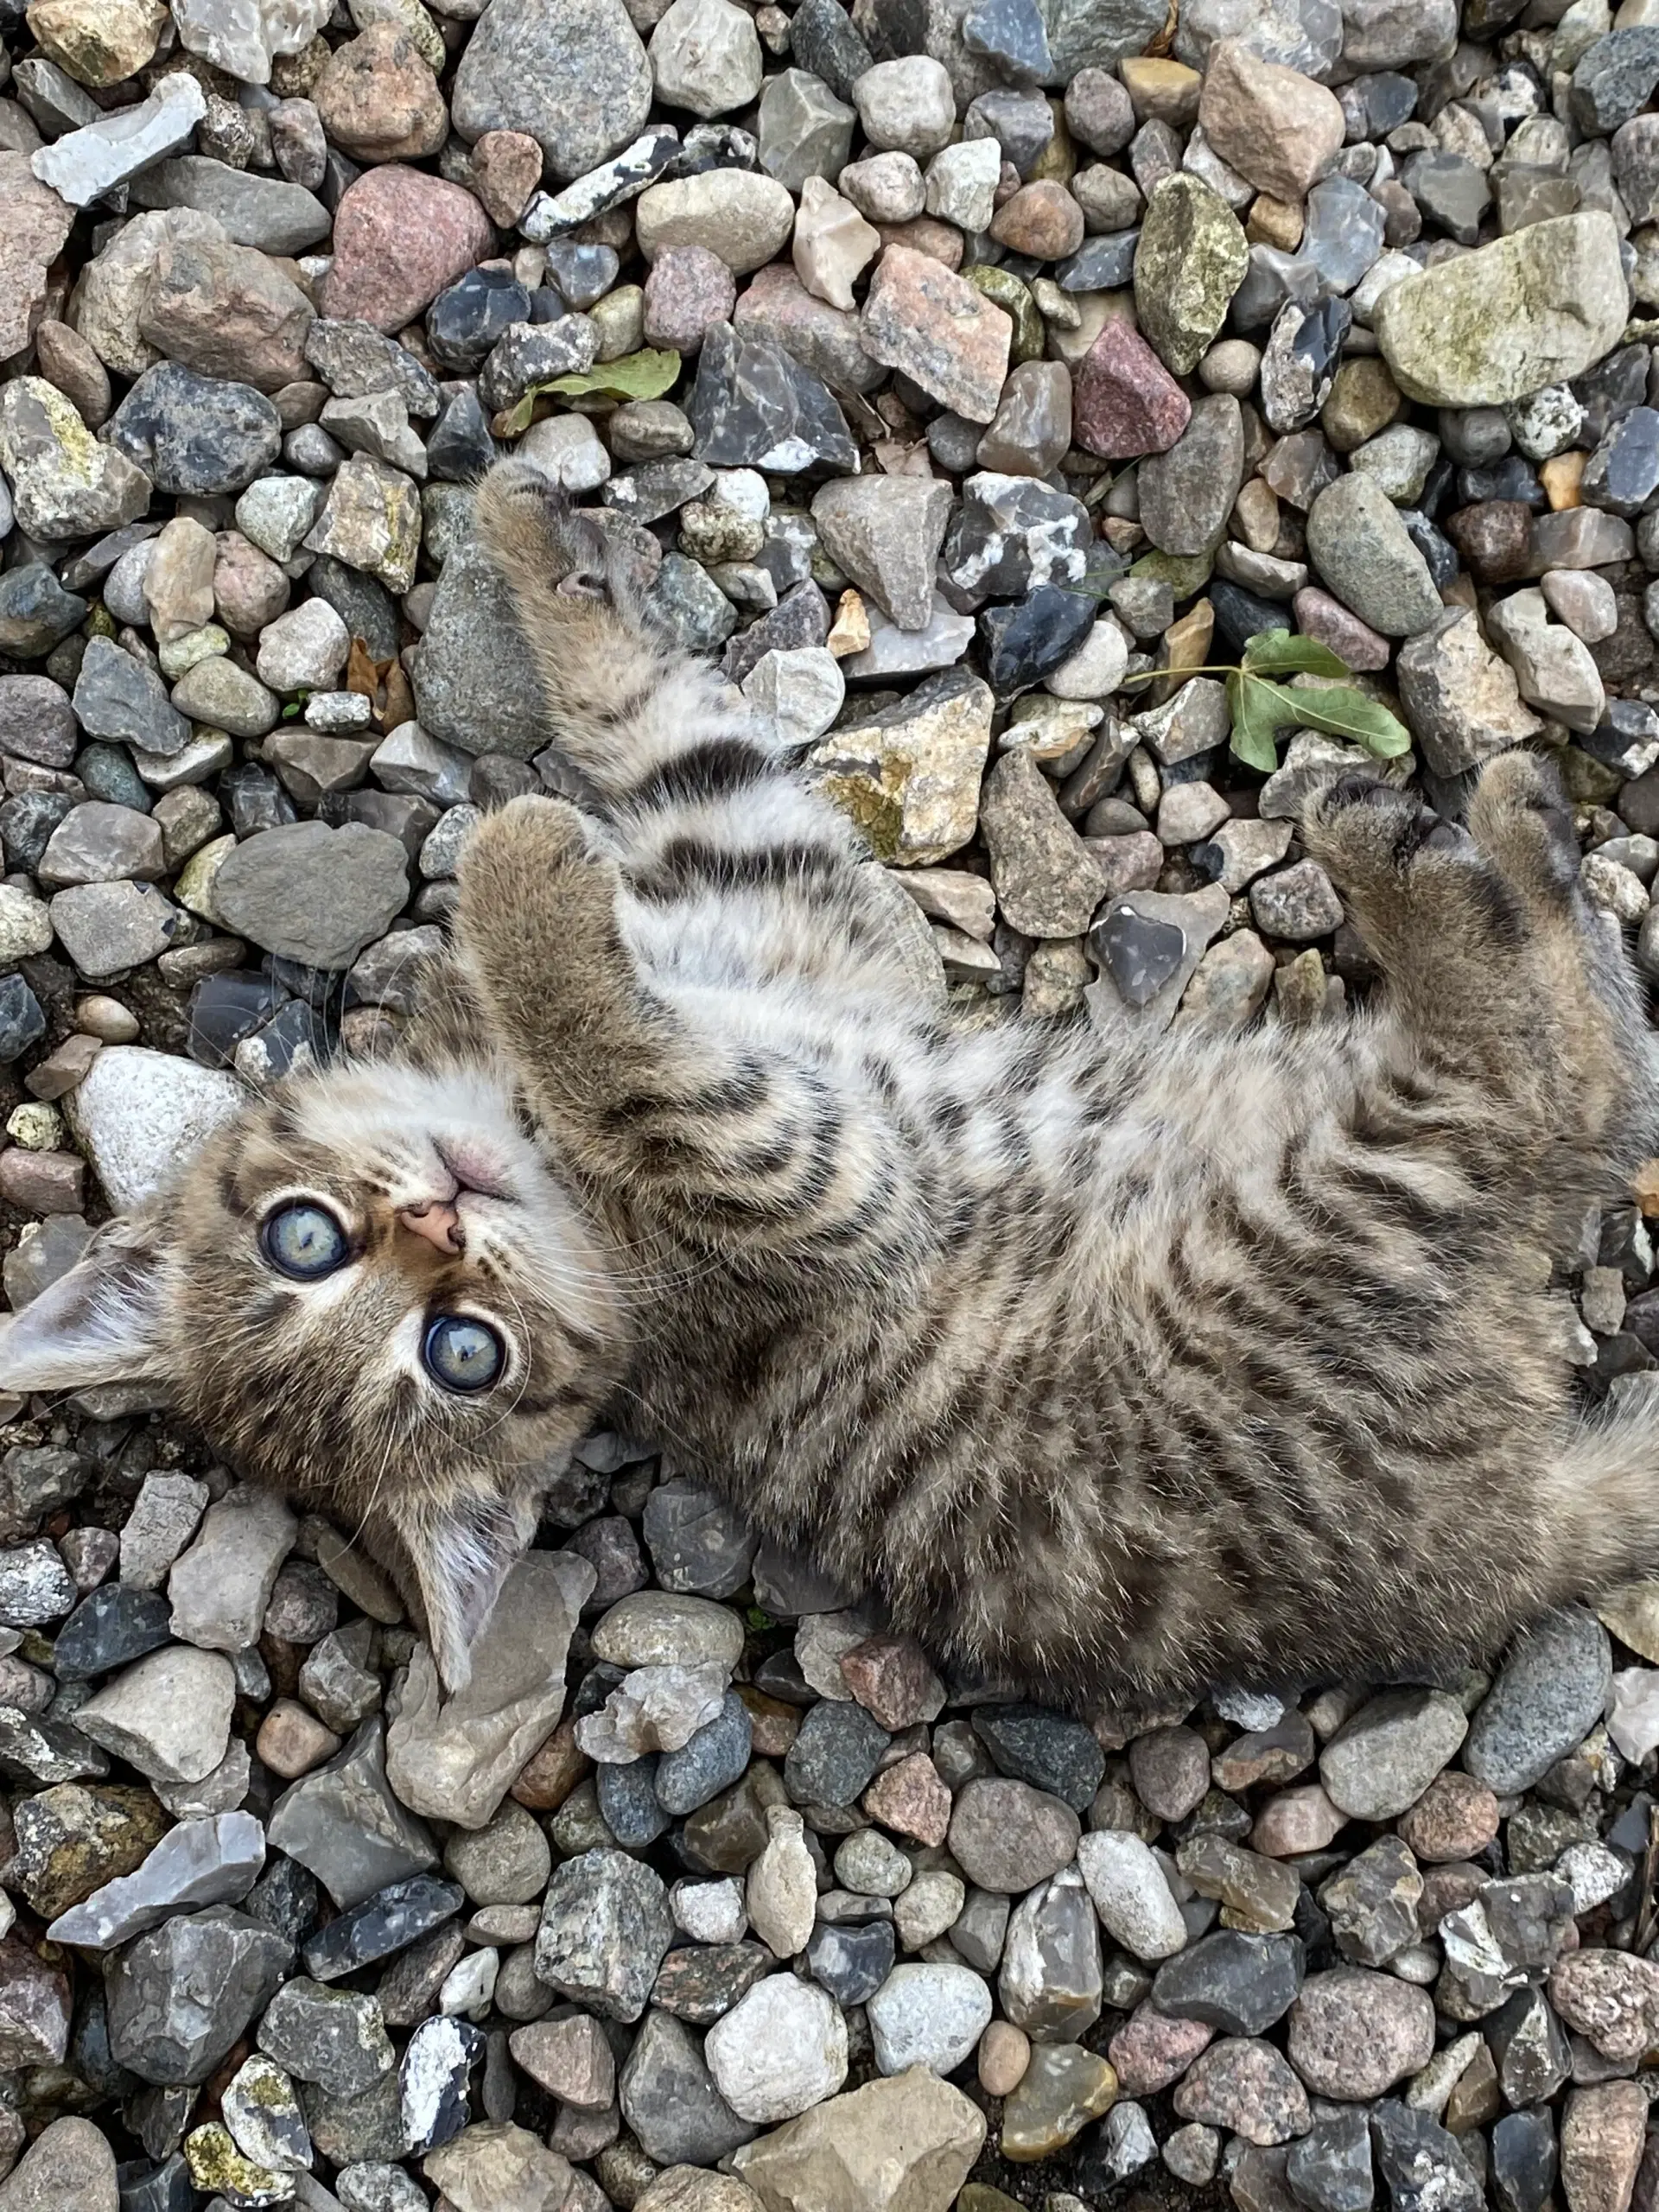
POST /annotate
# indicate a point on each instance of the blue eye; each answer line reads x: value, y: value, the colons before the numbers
x: 461, y: 1353
x: 304, y: 1242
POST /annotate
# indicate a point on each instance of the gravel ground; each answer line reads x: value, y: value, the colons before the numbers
x: 951, y: 374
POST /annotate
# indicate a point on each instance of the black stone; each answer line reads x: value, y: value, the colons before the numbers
x: 800, y: 618
x: 1024, y: 643
x: 253, y: 799
x: 1008, y: 534
x: 35, y: 610
x: 26, y: 825
x: 656, y: 488
x: 225, y: 1008
x: 287, y: 1896
x: 1622, y: 474
x: 1049, y: 1750
x: 22, y: 1022
x: 1330, y: 2169
x: 1606, y: 392
x: 1139, y: 954
x: 108, y: 773
x: 1240, y: 615
x: 465, y: 321
x: 611, y: 1550
x: 1420, y: 2164
x: 1390, y: 99
x: 697, y: 1542
x: 627, y: 1799
x: 1529, y: 2048
x: 1236, y: 1982
x: 1432, y: 542
x: 195, y: 435
x: 461, y: 446
x: 1524, y: 2161
x: 1512, y: 478
x: 1100, y: 264
x: 754, y: 406
x: 389, y: 1920
x: 298, y: 1031
x: 835, y: 1755
x: 116, y: 1624
x: 367, y: 609
x: 822, y: 39
x: 715, y: 146
x: 851, y: 1962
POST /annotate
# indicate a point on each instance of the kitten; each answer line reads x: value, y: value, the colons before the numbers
x: 1109, y: 1362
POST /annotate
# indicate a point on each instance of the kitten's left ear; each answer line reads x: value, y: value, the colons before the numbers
x: 454, y: 1560
x: 99, y: 1323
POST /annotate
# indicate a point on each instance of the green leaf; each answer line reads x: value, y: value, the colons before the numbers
x: 1259, y: 710
x: 646, y: 375
x: 1275, y: 652
x: 1348, y: 713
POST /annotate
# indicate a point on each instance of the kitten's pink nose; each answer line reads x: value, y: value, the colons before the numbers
x: 436, y: 1220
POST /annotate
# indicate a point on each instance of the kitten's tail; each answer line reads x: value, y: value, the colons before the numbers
x: 1603, y: 1488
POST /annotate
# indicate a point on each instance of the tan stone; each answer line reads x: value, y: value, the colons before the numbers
x: 1004, y: 2054
x: 694, y: 2189
x: 939, y: 330
x: 379, y: 100
x: 1276, y: 127
x: 34, y: 223
x: 1631, y: 1613
x: 903, y: 2144
x: 98, y: 43
x: 1602, y: 2136
x: 506, y: 170
x: 223, y: 309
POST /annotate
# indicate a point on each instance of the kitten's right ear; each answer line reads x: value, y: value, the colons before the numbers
x: 99, y: 1323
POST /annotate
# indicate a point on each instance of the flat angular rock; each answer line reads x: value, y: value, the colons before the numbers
x: 181, y: 1995
x: 1537, y: 307
x: 200, y: 1862
x: 885, y: 532
x: 896, y: 2146
x: 1462, y: 702
x: 944, y: 335
x: 754, y: 406
x: 312, y: 894
x: 909, y: 776
x: 456, y: 1757
x: 222, y: 1584
x: 137, y: 1113
x: 169, y: 1715
x: 64, y: 483
x: 343, y: 1824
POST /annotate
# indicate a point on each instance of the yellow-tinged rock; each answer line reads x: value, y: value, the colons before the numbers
x: 903, y: 2144
x: 1062, y: 2090
x: 98, y: 43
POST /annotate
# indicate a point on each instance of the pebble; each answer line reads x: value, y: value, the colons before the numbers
x: 1383, y: 1759
x: 1546, y: 1698
x: 781, y: 2050
x: 1354, y: 2034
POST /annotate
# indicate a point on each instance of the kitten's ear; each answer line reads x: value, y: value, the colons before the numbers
x: 452, y: 1560
x: 99, y: 1323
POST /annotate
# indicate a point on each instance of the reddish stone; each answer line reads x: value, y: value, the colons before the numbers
x: 1495, y: 537
x: 1455, y: 1817
x: 927, y: 234
x: 1041, y: 219
x: 892, y: 1679
x: 774, y: 1725
x: 400, y: 236
x: 1602, y: 2136
x: 1319, y: 616
x: 41, y: 1182
x: 1294, y: 1821
x: 1150, y: 2050
x: 506, y: 170
x: 689, y: 288
x: 1124, y: 401
x: 553, y: 1771
x: 911, y: 1798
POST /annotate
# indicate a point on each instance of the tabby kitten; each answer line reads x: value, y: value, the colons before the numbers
x: 1110, y: 1362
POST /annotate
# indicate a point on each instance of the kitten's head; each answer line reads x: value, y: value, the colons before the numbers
x: 369, y: 1290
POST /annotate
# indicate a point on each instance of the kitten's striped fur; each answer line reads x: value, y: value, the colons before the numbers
x: 1112, y: 1363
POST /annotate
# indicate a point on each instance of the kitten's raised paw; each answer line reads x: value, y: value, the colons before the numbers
x: 534, y: 535
x: 1520, y: 819
x: 1364, y: 832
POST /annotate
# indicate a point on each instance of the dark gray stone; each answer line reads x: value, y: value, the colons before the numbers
x: 195, y: 435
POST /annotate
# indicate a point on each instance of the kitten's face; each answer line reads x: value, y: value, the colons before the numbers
x: 369, y: 1290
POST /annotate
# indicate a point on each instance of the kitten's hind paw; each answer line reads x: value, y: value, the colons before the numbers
x: 538, y: 540
x: 1363, y: 831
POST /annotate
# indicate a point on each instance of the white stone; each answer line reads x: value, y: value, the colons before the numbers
x: 801, y: 689
x: 705, y: 56
x: 1584, y: 601
x: 832, y: 243
x: 907, y: 105
x: 1097, y: 667
x: 304, y: 649
x: 1553, y: 668
x: 221, y: 1586
x: 1633, y: 1711
x: 1592, y: 1872
x: 84, y: 164
x: 274, y: 514
x: 568, y: 448
x: 652, y: 1709
x: 781, y: 2050
x: 1131, y: 1894
x: 25, y: 925
x: 164, y: 1518
x: 169, y: 1715
x: 1546, y: 423
x: 961, y: 182
x: 241, y: 36
x: 470, y: 1984
x: 139, y: 1115
x: 928, y: 2016
x: 782, y: 1889
x: 709, y: 1912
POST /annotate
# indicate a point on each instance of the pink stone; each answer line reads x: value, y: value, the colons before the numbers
x: 911, y: 1798
x: 1150, y: 2050
x: 1124, y: 400
x: 1296, y: 1820
x: 688, y: 289
x: 400, y: 236
x: 892, y: 1679
x: 506, y: 170
x: 1319, y: 615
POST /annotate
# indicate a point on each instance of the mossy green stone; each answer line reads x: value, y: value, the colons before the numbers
x: 1000, y: 285
x: 1186, y: 574
x: 1190, y: 260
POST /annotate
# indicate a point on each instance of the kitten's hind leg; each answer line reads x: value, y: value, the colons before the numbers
x: 540, y: 542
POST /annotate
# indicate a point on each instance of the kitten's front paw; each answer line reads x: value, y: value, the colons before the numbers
x: 528, y: 525
x: 1361, y: 830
